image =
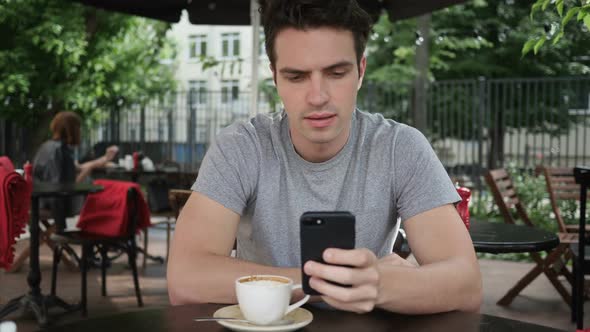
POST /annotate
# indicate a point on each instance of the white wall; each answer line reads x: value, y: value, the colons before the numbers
x: 191, y: 70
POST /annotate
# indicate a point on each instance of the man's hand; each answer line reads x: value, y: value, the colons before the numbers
x: 360, y: 271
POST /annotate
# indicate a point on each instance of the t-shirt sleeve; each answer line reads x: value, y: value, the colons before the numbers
x: 229, y: 171
x: 421, y: 183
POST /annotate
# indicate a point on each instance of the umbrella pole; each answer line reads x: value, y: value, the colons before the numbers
x: 255, y: 19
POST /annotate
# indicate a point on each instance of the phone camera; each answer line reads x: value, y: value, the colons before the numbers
x: 319, y: 222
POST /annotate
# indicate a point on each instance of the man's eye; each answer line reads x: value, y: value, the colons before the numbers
x: 296, y: 78
x: 338, y: 74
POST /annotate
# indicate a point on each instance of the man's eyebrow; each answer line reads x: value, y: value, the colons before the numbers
x: 288, y: 70
x: 341, y: 64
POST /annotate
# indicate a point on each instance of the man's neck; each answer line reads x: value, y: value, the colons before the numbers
x: 320, y: 152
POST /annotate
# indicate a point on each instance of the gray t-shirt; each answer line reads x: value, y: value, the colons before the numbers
x: 386, y: 170
x: 54, y: 163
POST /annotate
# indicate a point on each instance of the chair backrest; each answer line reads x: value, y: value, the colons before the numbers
x: 178, y: 198
x: 506, y: 197
x: 561, y: 186
x: 6, y: 163
x: 116, y: 211
x: 15, y: 198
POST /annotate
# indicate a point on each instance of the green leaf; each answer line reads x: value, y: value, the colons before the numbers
x: 587, y: 21
x: 570, y: 13
x: 536, y: 7
x: 558, y: 37
x: 528, y: 46
x: 539, y: 44
x: 559, y: 6
x: 581, y: 15
x: 545, y: 4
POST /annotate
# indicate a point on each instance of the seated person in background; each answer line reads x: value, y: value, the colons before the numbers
x: 322, y: 153
x: 54, y: 162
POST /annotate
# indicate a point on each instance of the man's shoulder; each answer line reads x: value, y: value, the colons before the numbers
x: 374, y: 127
x: 252, y: 132
x: 377, y: 124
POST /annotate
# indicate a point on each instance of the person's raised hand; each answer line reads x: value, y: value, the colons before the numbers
x: 357, y: 268
x: 111, y: 152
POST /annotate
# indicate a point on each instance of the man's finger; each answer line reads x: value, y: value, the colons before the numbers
x: 341, y: 274
x: 356, y: 257
x: 344, y: 294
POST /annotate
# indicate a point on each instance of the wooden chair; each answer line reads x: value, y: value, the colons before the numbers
x: 44, y: 238
x: 561, y: 186
x: 512, y: 209
x: 178, y: 198
x: 125, y: 243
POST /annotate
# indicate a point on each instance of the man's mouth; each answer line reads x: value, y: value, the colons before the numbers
x: 321, y: 119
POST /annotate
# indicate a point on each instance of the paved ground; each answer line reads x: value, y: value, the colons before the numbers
x: 539, y: 303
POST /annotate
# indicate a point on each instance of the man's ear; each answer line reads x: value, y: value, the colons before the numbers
x: 362, y: 68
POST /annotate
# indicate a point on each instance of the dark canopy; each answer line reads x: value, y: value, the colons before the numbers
x: 237, y: 12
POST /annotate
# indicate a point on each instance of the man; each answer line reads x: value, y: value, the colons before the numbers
x: 323, y: 154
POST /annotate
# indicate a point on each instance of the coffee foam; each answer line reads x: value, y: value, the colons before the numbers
x: 264, y: 281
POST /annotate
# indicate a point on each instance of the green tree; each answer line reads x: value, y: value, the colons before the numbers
x: 481, y: 38
x: 478, y: 38
x: 555, y: 22
x: 59, y: 55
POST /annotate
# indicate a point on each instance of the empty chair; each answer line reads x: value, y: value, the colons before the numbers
x: 107, y: 222
x: 178, y: 198
x: 512, y: 209
x: 562, y: 187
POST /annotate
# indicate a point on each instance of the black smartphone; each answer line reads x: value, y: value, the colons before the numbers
x: 322, y: 230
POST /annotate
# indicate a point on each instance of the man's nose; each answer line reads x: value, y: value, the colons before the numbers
x: 317, y: 94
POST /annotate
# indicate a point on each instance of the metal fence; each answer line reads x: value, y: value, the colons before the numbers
x: 479, y: 124
x: 472, y: 124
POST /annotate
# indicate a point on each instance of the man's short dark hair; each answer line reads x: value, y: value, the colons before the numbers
x: 308, y: 14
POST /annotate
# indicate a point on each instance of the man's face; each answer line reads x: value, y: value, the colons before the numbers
x: 317, y: 78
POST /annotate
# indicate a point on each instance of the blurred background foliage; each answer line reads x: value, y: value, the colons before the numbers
x: 59, y: 55
x: 477, y: 38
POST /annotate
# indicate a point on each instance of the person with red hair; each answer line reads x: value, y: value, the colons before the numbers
x: 54, y: 162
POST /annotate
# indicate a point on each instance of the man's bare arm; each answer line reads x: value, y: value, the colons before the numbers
x: 448, y: 277
x: 199, y: 267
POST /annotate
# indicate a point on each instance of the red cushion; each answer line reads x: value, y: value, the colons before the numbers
x: 6, y: 163
x: 105, y: 212
x: 15, y: 201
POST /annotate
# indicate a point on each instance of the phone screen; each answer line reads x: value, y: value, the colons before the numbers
x: 322, y: 230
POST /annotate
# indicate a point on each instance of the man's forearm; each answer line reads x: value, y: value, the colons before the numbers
x: 450, y: 285
x: 210, y: 278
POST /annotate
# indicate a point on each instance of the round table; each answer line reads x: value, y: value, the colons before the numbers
x: 34, y: 300
x: 172, y: 319
x: 497, y: 238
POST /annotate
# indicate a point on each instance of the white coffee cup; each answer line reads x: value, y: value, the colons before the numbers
x: 264, y: 299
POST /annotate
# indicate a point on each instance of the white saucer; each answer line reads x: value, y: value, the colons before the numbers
x: 300, y: 317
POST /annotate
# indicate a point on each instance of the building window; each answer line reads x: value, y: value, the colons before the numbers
x: 198, y: 92
x: 197, y: 46
x: 230, y: 45
x: 230, y: 91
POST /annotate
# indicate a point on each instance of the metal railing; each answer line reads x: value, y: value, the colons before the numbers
x: 472, y: 124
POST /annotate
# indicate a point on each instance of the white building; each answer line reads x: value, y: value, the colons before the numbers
x: 230, y: 45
